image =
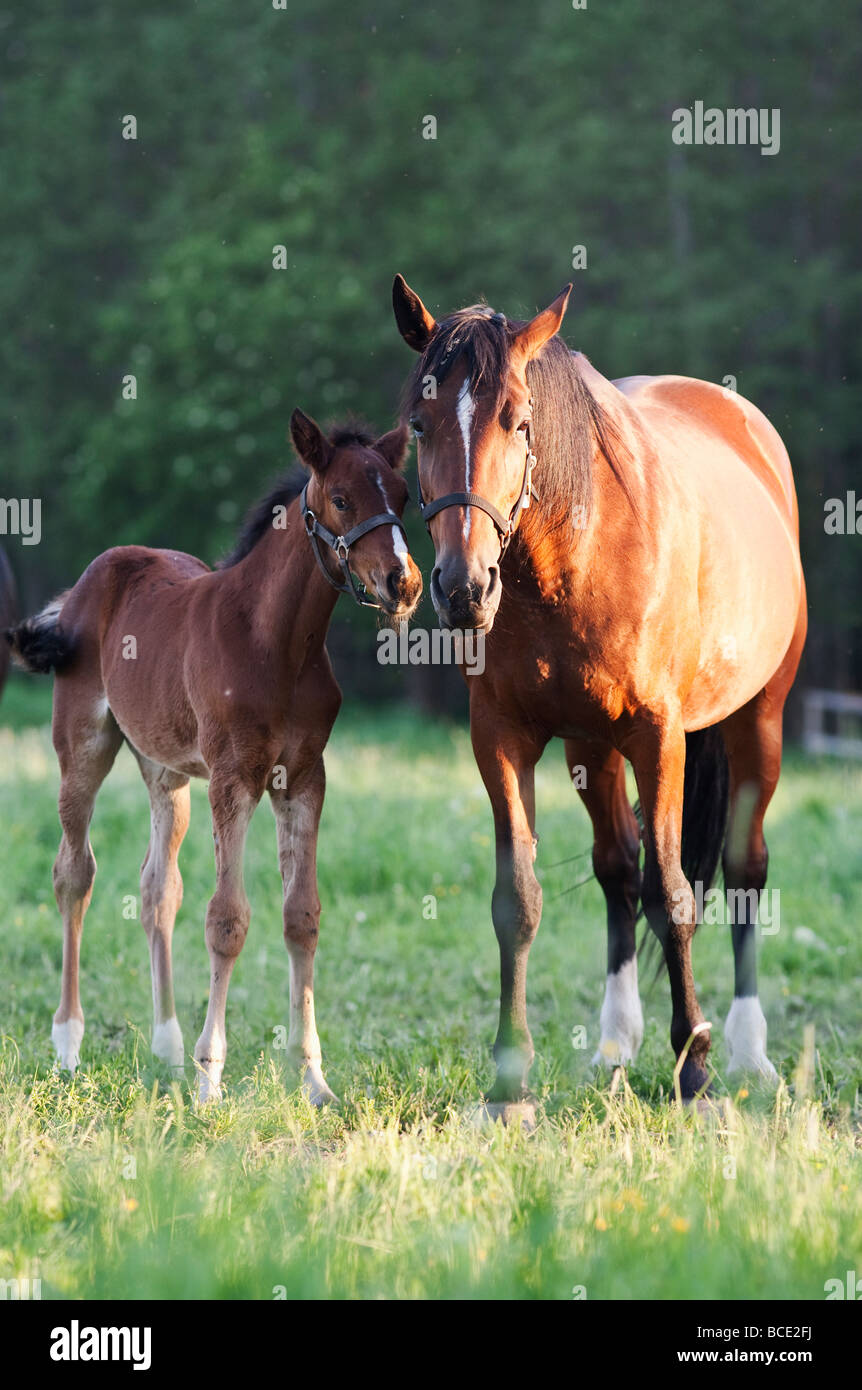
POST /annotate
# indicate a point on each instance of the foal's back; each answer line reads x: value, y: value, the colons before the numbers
x: 129, y: 619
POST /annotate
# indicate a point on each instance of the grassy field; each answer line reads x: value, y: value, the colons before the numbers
x: 115, y: 1184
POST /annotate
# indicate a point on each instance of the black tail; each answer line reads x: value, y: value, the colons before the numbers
x: 39, y: 644
x: 705, y: 802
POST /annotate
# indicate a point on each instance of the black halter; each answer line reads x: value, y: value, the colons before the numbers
x: 315, y: 530
x: 506, y: 526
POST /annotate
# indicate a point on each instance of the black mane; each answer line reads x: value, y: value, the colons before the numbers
x: 567, y: 418
x: 259, y: 519
x: 285, y: 490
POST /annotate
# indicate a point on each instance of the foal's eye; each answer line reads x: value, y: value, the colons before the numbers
x: 340, y: 504
x: 523, y: 427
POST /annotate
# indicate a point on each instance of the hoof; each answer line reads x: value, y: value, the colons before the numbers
x: 519, y: 1114
x: 167, y: 1046
x: 745, y: 1033
x: 611, y: 1054
x: 209, y: 1080
x: 316, y: 1090
x: 701, y: 1105
x: 67, y: 1038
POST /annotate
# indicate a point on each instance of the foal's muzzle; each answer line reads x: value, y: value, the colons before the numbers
x: 399, y: 591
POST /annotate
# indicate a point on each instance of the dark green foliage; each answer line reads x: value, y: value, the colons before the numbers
x: 303, y: 128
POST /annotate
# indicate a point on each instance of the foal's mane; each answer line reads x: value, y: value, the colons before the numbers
x: 283, y: 492
x: 567, y: 418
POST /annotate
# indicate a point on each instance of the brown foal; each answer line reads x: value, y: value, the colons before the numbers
x: 221, y: 674
x: 630, y: 550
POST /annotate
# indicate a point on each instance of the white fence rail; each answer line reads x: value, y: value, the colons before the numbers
x: 818, y: 708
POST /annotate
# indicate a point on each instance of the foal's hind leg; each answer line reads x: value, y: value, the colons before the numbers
x: 86, y: 738
x: 228, y: 915
x: 616, y: 849
x: 161, y: 895
x: 752, y: 738
x: 297, y: 816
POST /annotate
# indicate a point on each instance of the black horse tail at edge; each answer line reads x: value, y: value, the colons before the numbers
x: 39, y: 644
x: 705, y: 805
x: 705, y: 808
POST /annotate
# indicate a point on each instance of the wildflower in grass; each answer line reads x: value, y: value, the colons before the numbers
x: 680, y: 1224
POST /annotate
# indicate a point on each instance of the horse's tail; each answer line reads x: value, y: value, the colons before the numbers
x: 705, y: 802
x: 39, y: 644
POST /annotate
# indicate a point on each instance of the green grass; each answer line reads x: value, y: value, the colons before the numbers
x: 115, y: 1184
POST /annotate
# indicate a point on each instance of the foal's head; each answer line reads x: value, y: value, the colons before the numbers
x: 355, y: 477
x: 470, y: 408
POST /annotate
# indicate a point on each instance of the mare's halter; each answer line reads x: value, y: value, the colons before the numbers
x: 316, y: 532
x: 506, y: 526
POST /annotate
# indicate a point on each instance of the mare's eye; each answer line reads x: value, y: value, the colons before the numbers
x: 523, y: 427
x: 340, y: 504
x: 416, y: 427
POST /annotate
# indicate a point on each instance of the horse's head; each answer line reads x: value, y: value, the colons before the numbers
x: 353, y: 503
x: 469, y: 407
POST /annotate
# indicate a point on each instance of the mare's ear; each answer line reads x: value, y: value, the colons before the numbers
x: 533, y: 336
x: 393, y: 447
x: 310, y: 443
x: 415, y: 324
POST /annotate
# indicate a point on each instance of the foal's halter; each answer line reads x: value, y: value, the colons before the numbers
x: 316, y: 532
x: 506, y: 526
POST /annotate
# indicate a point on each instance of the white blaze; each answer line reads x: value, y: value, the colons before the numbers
x: 466, y: 409
x: 399, y: 545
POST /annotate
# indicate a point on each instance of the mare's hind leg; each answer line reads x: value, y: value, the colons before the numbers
x: 616, y: 848
x: 228, y: 913
x: 161, y: 895
x: 752, y: 737
x: 297, y: 816
x: 87, y: 739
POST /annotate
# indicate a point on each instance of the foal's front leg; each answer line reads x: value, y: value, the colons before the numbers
x: 297, y: 817
x: 228, y: 915
x: 507, y: 764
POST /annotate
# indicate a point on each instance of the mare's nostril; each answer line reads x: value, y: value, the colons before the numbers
x: 440, y: 599
x: 393, y: 583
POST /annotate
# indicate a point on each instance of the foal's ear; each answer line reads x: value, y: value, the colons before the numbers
x: 310, y: 442
x: 415, y: 324
x: 536, y: 333
x: 393, y: 447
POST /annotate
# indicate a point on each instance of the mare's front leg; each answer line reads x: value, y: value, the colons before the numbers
x: 297, y: 817
x: 228, y: 914
x: 507, y: 757
x: 616, y: 851
x: 657, y: 752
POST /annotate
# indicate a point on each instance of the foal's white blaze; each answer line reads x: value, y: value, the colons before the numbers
x: 621, y: 1018
x: 399, y: 545
x: 465, y: 410
x: 745, y: 1032
x: 67, y: 1038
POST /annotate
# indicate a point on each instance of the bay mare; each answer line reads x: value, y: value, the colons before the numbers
x: 221, y: 674
x: 630, y: 549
